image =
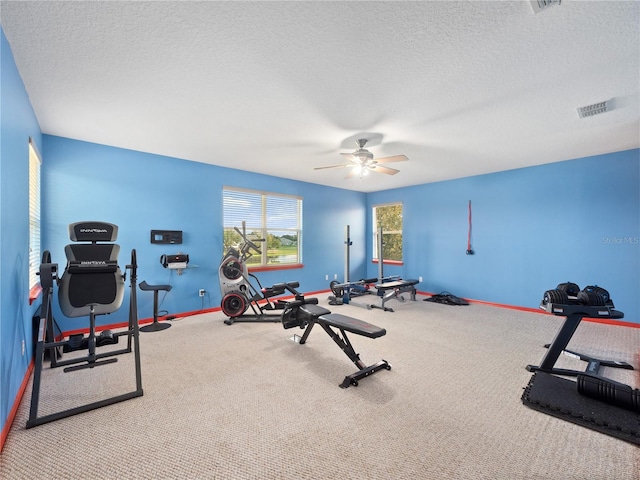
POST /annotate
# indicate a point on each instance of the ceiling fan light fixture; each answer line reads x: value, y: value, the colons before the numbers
x: 361, y: 162
x: 363, y: 155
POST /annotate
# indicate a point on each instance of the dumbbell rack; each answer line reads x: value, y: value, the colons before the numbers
x: 575, y: 314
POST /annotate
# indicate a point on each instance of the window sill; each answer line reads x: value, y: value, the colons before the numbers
x: 388, y: 262
x: 34, y: 293
x: 268, y: 268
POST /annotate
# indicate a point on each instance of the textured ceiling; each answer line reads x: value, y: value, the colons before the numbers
x: 461, y: 88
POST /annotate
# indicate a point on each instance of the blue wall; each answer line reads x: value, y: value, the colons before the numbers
x: 141, y: 192
x: 533, y: 228
x: 17, y: 124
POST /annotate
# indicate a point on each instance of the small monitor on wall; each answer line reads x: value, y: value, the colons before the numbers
x: 166, y: 236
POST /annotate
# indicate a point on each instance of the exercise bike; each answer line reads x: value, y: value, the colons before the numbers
x: 238, y: 291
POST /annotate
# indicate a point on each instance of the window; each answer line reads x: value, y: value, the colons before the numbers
x: 270, y: 216
x: 34, y: 215
x: 388, y: 218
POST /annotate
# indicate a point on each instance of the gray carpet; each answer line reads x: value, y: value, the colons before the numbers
x: 245, y: 402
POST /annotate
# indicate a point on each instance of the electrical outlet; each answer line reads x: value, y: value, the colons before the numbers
x: 326, y: 277
x: 201, y: 292
x: 335, y: 276
x: 23, y: 348
x: 420, y: 279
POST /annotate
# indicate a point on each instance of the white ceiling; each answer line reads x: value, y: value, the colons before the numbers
x: 461, y: 88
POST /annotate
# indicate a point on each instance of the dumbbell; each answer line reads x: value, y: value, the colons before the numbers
x: 569, y: 293
x: 570, y: 288
x: 595, y: 296
x: 564, y: 294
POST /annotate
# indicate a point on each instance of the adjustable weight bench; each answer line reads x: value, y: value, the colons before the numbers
x: 306, y: 313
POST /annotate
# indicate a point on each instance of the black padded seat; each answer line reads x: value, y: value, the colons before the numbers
x: 313, y: 311
x: 390, y: 290
x: 353, y: 325
x: 319, y: 314
x: 156, y: 325
x: 397, y: 284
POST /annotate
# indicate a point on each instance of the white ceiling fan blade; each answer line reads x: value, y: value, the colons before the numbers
x: 387, y: 170
x: 333, y: 166
x: 393, y: 158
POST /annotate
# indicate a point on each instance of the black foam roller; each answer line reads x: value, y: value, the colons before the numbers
x: 609, y: 391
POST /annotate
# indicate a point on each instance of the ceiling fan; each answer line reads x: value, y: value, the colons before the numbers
x: 362, y: 162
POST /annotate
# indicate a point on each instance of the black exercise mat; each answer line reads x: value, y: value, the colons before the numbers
x: 559, y: 397
x: 447, y: 299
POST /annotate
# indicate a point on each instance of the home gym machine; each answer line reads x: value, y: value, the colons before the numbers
x: 387, y: 288
x: 306, y: 313
x: 92, y: 284
x: 346, y: 291
x: 592, y: 302
x: 390, y: 288
x: 238, y: 292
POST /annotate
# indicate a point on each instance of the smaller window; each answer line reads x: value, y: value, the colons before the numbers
x: 34, y: 215
x: 388, y: 218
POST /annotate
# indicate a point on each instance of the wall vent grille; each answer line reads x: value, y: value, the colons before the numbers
x: 538, y: 5
x: 593, y: 109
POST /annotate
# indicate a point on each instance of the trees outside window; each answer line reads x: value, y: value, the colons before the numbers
x: 388, y: 217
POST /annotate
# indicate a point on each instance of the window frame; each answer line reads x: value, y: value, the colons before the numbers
x: 264, y: 228
x: 375, y: 228
x: 35, y: 228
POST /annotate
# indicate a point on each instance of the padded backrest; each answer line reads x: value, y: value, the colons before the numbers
x: 93, y: 232
x: 92, y: 276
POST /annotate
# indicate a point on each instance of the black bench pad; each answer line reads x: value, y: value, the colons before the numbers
x: 314, y: 311
x: 397, y: 284
x: 352, y: 325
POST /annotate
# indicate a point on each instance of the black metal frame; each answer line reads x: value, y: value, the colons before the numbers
x: 233, y: 269
x: 306, y: 317
x: 345, y: 345
x: 48, y: 276
x: 260, y: 311
x: 387, y: 292
x: 575, y: 314
x: 390, y: 293
x: 154, y: 326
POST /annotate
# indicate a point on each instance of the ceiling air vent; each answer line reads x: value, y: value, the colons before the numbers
x: 594, y: 109
x: 538, y: 5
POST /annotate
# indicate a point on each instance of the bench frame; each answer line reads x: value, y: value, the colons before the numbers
x: 394, y: 290
x: 338, y: 332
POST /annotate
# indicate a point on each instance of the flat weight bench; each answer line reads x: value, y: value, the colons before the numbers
x: 390, y: 290
x: 308, y: 314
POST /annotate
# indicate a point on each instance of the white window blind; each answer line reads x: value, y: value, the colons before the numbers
x: 34, y: 215
x: 274, y: 217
